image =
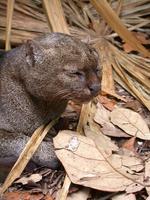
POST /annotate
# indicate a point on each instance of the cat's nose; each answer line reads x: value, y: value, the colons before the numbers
x: 94, y: 88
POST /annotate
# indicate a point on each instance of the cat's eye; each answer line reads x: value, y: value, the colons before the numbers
x: 77, y: 73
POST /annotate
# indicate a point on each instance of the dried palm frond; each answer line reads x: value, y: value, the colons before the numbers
x: 10, y: 8
x: 28, y: 21
x: 130, y: 71
x: 56, y: 21
x: 135, y: 15
x: 81, y: 15
x: 86, y: 23
x: 113, y: 20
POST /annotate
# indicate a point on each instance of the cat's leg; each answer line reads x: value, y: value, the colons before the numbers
x: 12, y: 144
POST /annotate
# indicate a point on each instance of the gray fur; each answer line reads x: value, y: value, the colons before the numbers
x: 36, y: 81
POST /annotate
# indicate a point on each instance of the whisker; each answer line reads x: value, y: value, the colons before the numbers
x: 60, y: 95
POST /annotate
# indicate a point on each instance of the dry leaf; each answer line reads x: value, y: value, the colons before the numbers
x: 34, y: 178
x: 104, y: 142
x: 102, y: 117
x: 141, y: 37
x: 117, y: 25
x: 79, y: 195
x: 127, y: 48
x: 22, y: 195
x: 131, y: 122
x: 124, y: 196
x: 48, y: 197
x: 147, y: 174
x: 129, y: 144
x: 134, y: 105
x: 135, y: 187
x: 93, y: 131
x: 97, y: 171
x: 106, y: 102
x: 135, y: 164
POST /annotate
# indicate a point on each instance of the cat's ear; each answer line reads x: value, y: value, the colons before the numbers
x: 34, y: 53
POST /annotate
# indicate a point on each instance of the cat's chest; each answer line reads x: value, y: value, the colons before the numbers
x: 25, y: 115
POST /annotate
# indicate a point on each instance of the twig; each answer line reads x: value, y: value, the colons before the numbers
x: 10, y: 8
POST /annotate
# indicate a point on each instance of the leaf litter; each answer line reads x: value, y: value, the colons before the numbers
x: 100, y: 156
x: 131, y: 122
x: 111, y: 162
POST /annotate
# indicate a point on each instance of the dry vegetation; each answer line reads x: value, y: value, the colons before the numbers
x: 120, y: 32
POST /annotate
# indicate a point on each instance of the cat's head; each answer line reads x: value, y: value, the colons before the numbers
x: 62, y: 67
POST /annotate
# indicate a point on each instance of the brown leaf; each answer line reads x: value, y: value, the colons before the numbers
x: 48, y: 197
x: 135, y: 187
x: 133, y: 105
x: 147, y: 174
x: 93, y: 131
x: 104, y: 142
x: 127, y: 48
x: 114, y: 21
x: 33, y: 178
x: 141, y: 37
x: 22, y: 195
x: 88, y: 164
x: 106, y: 102
x: 129, y: 144
x: 102, y: 117
x: 131, y: 122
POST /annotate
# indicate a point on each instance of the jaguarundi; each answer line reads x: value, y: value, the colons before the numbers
x: 37, y: 79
